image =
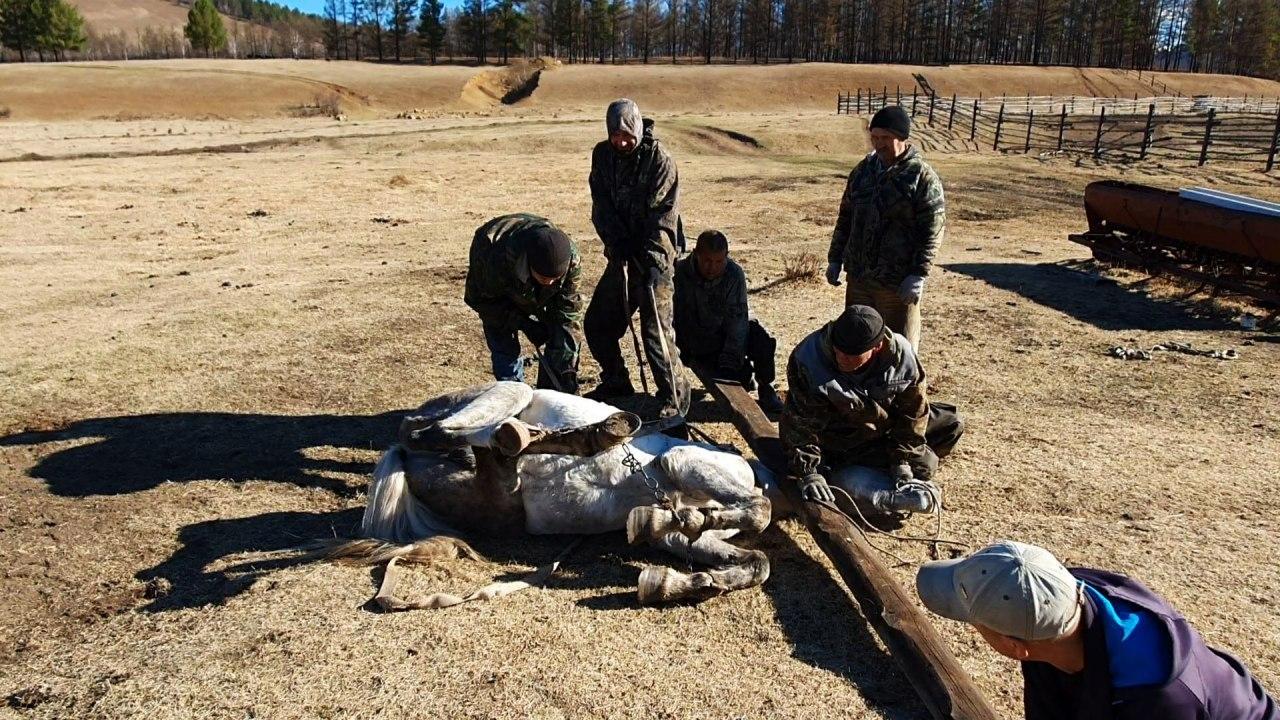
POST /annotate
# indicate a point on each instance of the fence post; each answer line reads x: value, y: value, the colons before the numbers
x: 884, y: 98
x: 1097, y: 140
x: 839, y: 102
x: 914, y: 92
x: 932, y: 98
x: 973, y: 127
x: 1146, y: 134
x: 999, y: 124
x: 1031, y: 119
x: 1208, y: 133
x: 1062, y: 125
x: 1275, y: 141
x: 898, y: 96
x: 951, y: 119
x: 859, y: 101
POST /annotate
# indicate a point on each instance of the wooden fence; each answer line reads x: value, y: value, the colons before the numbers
x: 1169, y: 128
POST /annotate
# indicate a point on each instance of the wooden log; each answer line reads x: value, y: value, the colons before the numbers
x: 944, y: 686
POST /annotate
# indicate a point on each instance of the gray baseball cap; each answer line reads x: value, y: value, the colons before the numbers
x: 1013, y: 588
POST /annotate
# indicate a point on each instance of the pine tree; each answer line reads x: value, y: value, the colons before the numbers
x: 204, y: 27
x: 64, y: 29
x: 401, y: 17
x: 431, y: 27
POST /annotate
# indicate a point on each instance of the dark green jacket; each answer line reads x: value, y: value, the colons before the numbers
x: 635, y: 202
x: 891, y: 221
x: 711, y: 315
x: 501, y: 289
x: 830, y: 416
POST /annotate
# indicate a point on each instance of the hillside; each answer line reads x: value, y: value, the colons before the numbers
x: 133, y: 16
x: 244, y: 89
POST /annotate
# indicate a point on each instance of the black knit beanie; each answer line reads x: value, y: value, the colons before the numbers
x: 894, y: 119
x: 857, y: 330
x: 548, y: 250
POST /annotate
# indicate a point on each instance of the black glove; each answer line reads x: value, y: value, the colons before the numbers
x: 900, y: 474
x: 814, y: 487
x: 534, y: 330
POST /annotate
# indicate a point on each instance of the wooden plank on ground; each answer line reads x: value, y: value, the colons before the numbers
x: 944, y: 686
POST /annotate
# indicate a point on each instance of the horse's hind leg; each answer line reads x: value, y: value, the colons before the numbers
x: 732, y: 568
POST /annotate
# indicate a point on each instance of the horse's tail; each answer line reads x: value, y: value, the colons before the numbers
x: 393, y: 514
x: 395, y: 524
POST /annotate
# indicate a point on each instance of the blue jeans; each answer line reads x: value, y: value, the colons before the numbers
x: 504, y: 353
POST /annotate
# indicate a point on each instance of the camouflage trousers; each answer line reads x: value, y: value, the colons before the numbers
x: 902, y: 318
x: 623, y: 289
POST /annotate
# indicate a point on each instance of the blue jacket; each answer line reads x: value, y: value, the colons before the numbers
x: 1203, y: 684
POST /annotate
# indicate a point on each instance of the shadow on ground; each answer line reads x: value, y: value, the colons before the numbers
x: 138, y: 452
x: 1075, y: 288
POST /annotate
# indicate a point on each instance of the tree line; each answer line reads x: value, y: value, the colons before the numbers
x: 1228, y: 36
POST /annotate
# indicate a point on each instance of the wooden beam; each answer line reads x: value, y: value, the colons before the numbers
x: 944, y: 686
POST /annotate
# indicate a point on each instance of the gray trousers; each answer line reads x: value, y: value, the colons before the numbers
x: 609, y: 312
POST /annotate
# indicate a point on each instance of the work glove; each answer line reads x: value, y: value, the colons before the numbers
x: 533, y: 329
x: 833, y: 273
x: 814, y: 487
x: 911, y: 289
x: 900, y: 474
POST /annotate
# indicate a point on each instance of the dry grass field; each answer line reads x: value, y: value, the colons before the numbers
x: 212, y: 325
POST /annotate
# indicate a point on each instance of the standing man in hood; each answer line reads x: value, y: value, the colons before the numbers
x: 635, y: 192
x: 1092, y: 644
x: 889, y: 227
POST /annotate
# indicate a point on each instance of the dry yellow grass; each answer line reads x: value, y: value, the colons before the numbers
x: 206, y: 351
x: 248, y: 89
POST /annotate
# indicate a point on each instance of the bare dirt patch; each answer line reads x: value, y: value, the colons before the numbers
x: 193, y: 388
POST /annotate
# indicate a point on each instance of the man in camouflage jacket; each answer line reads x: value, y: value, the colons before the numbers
x: 890, y: 226
x: 635, y: 193
x: 524, y: 276
x: 856, y: 397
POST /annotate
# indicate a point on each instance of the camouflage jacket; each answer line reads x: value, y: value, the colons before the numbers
x: 711, y: 315
x: 500, y: 288
x: 635, y: 202
x: 891, y: 220
x: 830, y: 416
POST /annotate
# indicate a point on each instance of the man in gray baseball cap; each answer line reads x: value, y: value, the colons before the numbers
x: 1092, y: 644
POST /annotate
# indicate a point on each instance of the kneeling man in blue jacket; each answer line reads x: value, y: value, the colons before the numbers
x: 1092, y: 644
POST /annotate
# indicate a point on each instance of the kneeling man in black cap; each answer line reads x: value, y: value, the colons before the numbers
x: 858, y: 415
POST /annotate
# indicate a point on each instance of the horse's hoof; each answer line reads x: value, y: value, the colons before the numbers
x: 659, y: 584
x: 647, y: 523
x: 511, y: 437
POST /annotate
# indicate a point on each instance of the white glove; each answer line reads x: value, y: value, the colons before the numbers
x: 911, y: 289
x: 833, y: 273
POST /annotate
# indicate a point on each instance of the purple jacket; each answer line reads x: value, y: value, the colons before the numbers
x: 1205, y: 684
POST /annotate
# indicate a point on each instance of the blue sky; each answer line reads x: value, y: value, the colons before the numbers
x: 317, y: 6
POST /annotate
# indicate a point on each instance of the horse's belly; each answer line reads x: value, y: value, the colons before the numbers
x: 564, y: 494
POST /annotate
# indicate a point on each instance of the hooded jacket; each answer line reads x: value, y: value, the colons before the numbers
x: 1203, y: 683
x: 635, y: 202
x: 830, y: 416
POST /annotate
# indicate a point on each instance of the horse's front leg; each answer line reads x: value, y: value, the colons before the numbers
x: 732, y: 568
x: 515, y: 437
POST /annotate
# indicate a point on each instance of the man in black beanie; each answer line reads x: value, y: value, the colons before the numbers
x: 523, y: 276
x: 857, y: 413
x: 890, y: 226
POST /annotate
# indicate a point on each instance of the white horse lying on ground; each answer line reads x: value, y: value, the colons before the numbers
x: 503, y: 457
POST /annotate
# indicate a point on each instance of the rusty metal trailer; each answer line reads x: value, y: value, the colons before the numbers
x: 1225, y: 242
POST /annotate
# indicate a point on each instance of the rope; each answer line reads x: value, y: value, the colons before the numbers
x: 387, y: 600
x: 933, y: 542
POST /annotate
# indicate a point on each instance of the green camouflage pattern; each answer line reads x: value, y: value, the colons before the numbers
x: 502, y: 291
x: 891, y: 220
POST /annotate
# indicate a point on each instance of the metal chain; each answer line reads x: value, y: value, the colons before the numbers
x: 633, y: 464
